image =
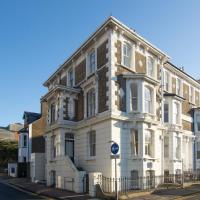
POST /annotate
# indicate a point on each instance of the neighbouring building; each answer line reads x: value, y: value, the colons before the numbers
x: 25, y: 144
x: 10, y: 132
x: 37, y: 144
x: 119, y: 87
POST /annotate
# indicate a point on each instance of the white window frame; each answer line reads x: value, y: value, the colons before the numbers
x: 176, y: 113
x: 91, y: 102
x: 134, y: 138
x: 166, y: 80
x: 91, y: 68
x: 148, y: 101
x: 198, y: 122
x: 70, y: 78
x: 191, y: 94
x: 127, y: 55
x: 166, y: 121
x: 166, y: 146
x: 198, y: 150
x: 178, y: 86
x: 25, y: 141
x: 52, y: 118
x: 152, y: 72
x: 92, y: 144
x: 134, y: 97
x: 148, y: 147
x: 177, y: 147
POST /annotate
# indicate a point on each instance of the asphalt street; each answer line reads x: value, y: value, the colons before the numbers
x: 10, y: 193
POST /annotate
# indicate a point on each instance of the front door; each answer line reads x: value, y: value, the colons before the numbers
x: 69, y: 146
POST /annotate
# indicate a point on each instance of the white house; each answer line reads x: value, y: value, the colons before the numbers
x: 119, y: 87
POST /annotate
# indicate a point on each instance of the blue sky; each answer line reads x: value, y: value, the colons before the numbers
x: 36, y: 36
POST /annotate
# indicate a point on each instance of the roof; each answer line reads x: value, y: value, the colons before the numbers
x: 115, y: 22
x: 30, y: 117
x: 174, y: 66
x: 5, y: 134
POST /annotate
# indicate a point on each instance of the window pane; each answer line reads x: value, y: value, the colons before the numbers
x: 92, y: 143
x: 92, y: 62
x: 134, y: 142
x: 126, y: 55
x: 166, y: 112
x: 166, y: 146
x: 91, y: 103
x: 134, y: 97
x: 148, y: 101
x: 150, y: 66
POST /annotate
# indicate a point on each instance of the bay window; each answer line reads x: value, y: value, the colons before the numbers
x: 147, y: 100
x: 91, y: 103
x: 126, y: 52
x: 134, y: 97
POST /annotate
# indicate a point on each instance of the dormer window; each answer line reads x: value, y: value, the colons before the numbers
x: 91, y: 62
x: 150, y: 70
x: 126, y: 59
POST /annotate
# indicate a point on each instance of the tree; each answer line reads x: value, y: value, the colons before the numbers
x: 8, y: 152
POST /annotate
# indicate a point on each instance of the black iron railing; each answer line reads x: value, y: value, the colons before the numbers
x: 126, y: 184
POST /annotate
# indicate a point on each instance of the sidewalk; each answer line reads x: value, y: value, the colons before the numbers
x: 42, y: 190
x: 165, y: 194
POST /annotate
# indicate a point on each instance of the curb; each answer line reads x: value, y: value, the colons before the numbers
x: 186, y: 195
x: 28, y: 191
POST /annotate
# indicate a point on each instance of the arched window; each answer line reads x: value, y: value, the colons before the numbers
x: 147, y: 100
x: 134, y: 97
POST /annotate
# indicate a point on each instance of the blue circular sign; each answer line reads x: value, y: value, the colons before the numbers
x: 114, y: 148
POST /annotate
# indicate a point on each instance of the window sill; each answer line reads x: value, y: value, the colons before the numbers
x: 131, y: 69
x: 91, y: 158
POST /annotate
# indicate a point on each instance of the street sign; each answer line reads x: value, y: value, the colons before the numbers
x: 114, y: 148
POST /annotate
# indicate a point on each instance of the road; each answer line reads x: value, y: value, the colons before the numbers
x: 10, y: 193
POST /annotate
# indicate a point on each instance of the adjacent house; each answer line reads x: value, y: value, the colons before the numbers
x: 37, y: 146
x: 119, y: 87
x: 25, y: 144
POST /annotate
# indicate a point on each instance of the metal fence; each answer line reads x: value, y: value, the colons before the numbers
x: 126, y: 184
